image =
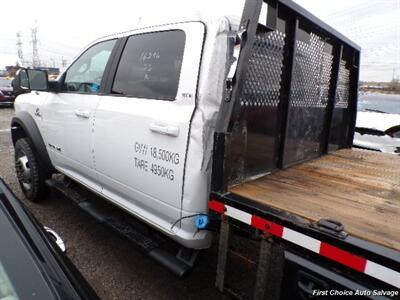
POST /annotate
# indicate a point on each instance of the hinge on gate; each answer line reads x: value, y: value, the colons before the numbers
x: 331, y: 226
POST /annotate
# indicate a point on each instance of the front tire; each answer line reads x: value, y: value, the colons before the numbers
x: 30, y: 170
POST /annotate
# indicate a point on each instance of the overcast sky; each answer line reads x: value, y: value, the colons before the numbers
x: 65, y: 27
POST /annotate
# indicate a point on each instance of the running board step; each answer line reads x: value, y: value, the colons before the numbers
x: 129, y: 228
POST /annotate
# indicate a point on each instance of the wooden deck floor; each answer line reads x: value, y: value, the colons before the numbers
x: 359, y: 188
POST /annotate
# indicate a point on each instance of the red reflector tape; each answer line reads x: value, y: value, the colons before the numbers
x: 341, y: 256
x: 267, y: 226
x: 217, y: 206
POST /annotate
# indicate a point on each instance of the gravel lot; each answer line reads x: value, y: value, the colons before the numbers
x: 114, y: 268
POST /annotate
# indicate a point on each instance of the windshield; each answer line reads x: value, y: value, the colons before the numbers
x: 5, y: 82
x: 20, y: 275
x: 381, y: 103
x: 7, y: 291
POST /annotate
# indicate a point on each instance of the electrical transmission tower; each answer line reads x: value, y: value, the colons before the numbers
x: 35, y: 51
x: 19, y: 47
x: 63, y: 62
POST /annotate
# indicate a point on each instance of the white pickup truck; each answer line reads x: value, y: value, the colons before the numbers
x: 240, y: 122
x: 126, y: 122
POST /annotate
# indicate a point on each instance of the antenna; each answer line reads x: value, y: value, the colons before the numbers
x: 35, y: 51
x: 19, y: 47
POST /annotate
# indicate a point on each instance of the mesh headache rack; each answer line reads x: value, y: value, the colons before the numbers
x: 293, y: 95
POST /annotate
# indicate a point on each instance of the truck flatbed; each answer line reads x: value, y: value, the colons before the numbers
x: 359, y: 188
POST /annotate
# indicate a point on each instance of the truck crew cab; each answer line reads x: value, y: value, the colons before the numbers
x: 244, y: 122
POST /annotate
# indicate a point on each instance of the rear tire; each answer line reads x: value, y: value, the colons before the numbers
x: 30, y: 170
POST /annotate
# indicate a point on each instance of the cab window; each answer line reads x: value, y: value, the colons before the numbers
x: 86, y: 73
x: 150, y: 65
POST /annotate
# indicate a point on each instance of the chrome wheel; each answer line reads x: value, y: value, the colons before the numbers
x: 29, y: 169
x: 24, y: 172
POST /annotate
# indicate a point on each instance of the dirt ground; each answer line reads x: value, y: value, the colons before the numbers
x: 114, y: 268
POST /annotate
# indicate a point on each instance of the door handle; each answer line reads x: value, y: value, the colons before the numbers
x: 82, y: 113
x: 164, y: 129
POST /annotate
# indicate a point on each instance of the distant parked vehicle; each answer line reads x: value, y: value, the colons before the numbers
x: 7, y: 96
x: 378, y: 123
x: 2, y: 97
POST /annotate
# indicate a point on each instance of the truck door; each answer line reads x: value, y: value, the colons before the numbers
x: 142, y: 127
x: 68, y: 116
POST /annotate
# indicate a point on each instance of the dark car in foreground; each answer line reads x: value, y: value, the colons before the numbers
x: 7, y: 96
x: 32, y: 265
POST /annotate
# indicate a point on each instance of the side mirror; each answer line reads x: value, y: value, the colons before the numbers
x: 56, y: 238
x: 28, y: 80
